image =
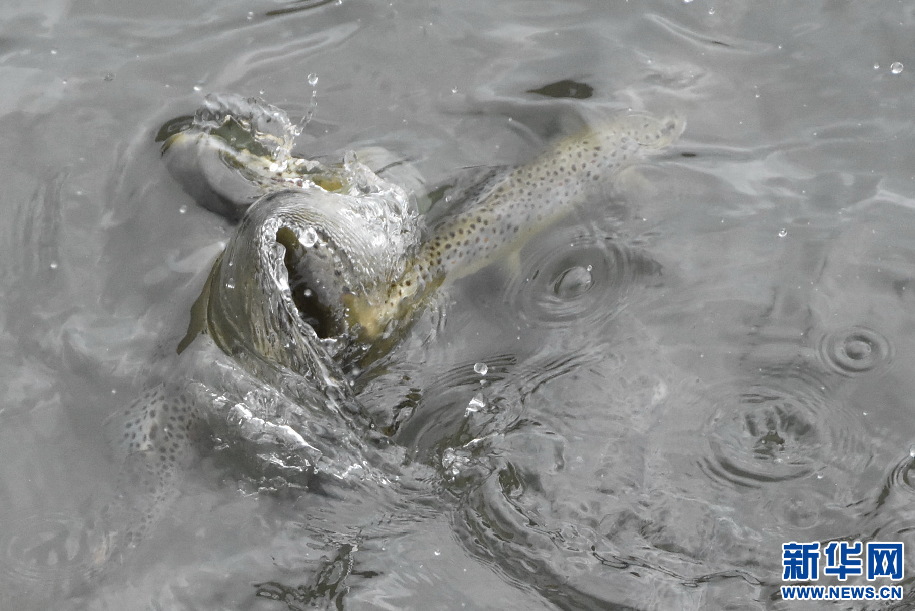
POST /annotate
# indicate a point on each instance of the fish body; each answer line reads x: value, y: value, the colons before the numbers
x: 329, y: 257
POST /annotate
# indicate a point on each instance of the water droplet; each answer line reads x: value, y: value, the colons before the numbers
x: 309, y: 237
x: 782, y: 232
x: 454, y: 90
x: 480, y: 368
x: 855, y: 350
x: 53, y: 51
x: 912, y: 450
x: 437, y: 553
x: 475, y: 404
x: 109, y: 76
x: 250, y: 15
x: 687, y: 1
x: 876, y: 65
x: 53, y: 265
x: 313, y: 79
x: 197, y: 87
x: 230, y: 284
x: 896, y: 67
x: 182, y: 209
x: 711, y: 11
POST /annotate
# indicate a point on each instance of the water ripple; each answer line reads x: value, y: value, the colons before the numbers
x: 777, y: 428
x: 576, y: 274
x: 53, y: 553
x: 855, y: 350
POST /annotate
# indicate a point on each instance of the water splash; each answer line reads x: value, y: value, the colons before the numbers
x: 312, y: 105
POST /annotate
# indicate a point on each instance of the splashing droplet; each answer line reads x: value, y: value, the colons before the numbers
x: 309, y: 237
x: 896, y: 67
x: 475, y: 404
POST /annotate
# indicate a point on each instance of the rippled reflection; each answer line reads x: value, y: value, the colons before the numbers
x: 576, y: 274
x: 855, y: 350
x: 782, y: 426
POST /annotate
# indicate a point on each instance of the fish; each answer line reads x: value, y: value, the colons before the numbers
x: 328, y: 266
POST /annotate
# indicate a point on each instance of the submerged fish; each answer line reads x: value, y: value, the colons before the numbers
x: 329, y: 262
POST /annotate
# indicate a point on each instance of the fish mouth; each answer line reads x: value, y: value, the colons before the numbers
x: 315, y: 307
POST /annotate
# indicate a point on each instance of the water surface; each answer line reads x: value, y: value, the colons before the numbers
x: 713, y: 361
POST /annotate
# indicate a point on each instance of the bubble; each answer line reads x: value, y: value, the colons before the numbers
x: 854, y: 350
x: 309, y: 237
x: 896, y: 67
x: 313, y: 79
x: 576, y: 275
x: 480, y: 368
x: 782, y: 232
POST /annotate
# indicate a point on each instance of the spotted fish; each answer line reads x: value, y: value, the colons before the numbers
x: 330, y: 257
x: 514, y: 208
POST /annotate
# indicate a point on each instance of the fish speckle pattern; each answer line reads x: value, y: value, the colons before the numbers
x: 519, y: 205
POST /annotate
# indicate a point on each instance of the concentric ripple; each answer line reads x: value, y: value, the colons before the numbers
x: 855, y: 350
x: 53, y: 552
x: 576, y: 274
x: 778, y: 428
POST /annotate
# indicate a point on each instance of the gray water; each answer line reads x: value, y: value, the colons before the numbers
x: 679, y: 380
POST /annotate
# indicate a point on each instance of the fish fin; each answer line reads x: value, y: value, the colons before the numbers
x: 198, y: 319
